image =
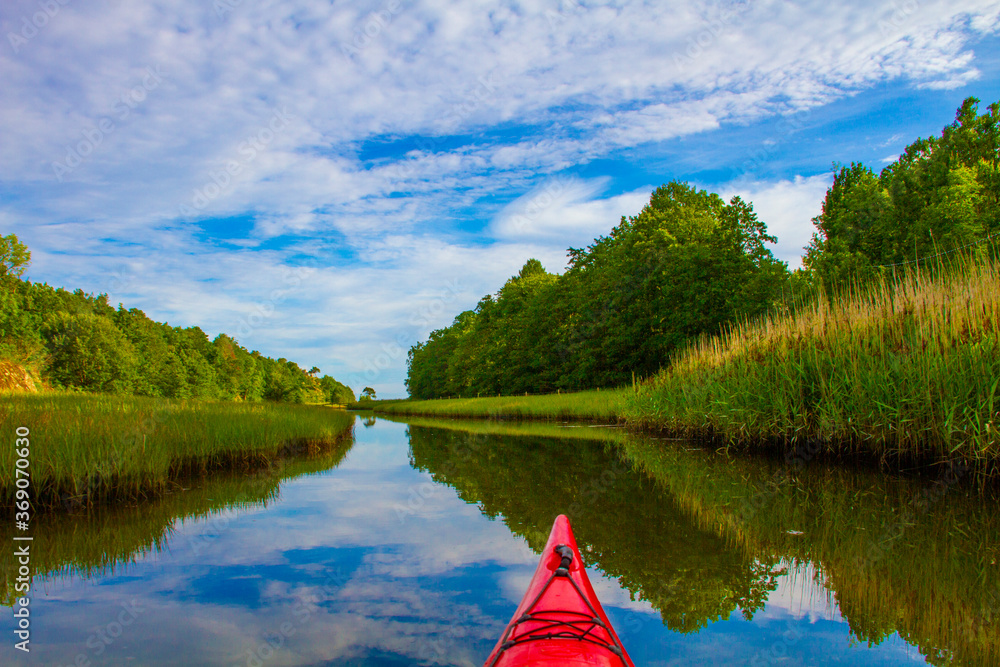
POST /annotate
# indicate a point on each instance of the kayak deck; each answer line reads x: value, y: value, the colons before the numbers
x: 559, y: 621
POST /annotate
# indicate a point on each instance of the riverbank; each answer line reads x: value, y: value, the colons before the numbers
x: 904, y: 372
x: 598, y: 405
x: 107, y: 538
x: 87, y: 449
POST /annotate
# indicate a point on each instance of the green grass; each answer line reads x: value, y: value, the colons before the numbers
x: 602, y: 405
x: 526, y: 428
x: 96, y: 448
x: 904, y: 370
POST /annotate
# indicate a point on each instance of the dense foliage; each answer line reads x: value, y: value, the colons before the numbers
x: 686, y: 264
x: 80, y: 341
x: 690, y: 264
x: 941, y: 194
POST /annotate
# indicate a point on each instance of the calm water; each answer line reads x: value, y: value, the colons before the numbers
x: 413, y: 544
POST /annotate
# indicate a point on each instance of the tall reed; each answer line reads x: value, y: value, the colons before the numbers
x: 905, y: 368
x: 87, y: 448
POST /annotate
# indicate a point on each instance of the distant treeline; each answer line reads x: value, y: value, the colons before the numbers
x: 690, y: 264
x: 79, y: 341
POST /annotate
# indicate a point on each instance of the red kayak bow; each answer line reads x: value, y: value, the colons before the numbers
x: 560, y: 621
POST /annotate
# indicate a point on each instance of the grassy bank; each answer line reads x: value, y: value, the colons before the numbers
x: 601, y: 405
x: 105, y: 539
x: 95, y: 448
x: 905, y: 370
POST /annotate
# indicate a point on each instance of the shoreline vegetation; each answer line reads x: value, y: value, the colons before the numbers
x: 904, y: 370
x: 883, y: 346
x: 595, y: 405
x: 122, y: 408
x: 76, y: 341
x: 96, y: 449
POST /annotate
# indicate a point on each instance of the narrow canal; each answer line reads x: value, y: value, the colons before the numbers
x: 412, y: 544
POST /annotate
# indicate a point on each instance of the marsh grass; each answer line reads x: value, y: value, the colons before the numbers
x: 905, y: 369
x: 98, y: 448
x: 604, y: 405
x: 522, y: 428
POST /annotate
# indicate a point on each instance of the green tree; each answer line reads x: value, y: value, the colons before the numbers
x: 14, y: 256
x: 368, y: 394
x: 19, y: 339
x: 685, y: 265
x: 88, y: 352
x: 78, y: 340
x: 335, y: 392
x: 854, y: 230
x: 943, y: 193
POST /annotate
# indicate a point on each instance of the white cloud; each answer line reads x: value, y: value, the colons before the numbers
x: 567, y: 211
x: 787, y: 207
x: 529, y: 94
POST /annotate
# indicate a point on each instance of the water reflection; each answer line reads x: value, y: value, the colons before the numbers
x: 413, y: 546
x: 700, y: 534
x: 915, y: 558
x: 627, y: 526
x: 103, y: 539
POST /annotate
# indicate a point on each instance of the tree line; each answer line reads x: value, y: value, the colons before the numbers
x: 941, y: 194
x: 691, y: 263
x: 76, y: 340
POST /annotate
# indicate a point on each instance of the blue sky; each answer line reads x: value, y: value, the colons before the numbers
x: 330, y: 181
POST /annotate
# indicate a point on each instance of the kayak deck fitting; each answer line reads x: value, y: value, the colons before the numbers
x: 559, y: 621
